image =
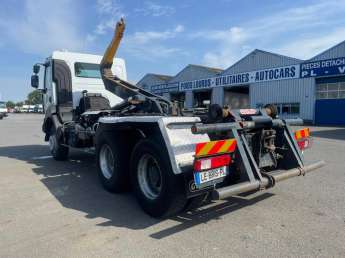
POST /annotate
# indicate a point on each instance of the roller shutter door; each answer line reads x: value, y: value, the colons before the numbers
x: 330, y: 101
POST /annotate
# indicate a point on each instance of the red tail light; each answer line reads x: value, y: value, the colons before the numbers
x: 305, y: 143
x: 212, y: 162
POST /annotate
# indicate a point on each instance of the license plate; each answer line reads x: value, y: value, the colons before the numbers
x: 203, y: 177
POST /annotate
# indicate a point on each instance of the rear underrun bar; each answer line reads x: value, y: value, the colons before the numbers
x: 226, y: 192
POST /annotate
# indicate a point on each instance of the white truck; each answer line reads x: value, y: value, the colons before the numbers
x: 3, y: 109
x: 142, y: 140
x: 25, y: 108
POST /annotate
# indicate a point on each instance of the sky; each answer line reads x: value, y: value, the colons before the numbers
x: 161, y: 36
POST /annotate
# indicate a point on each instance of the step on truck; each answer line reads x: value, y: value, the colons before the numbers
x: 172, y: 161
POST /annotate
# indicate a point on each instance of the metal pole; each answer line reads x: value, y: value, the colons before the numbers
x: 232, y: 190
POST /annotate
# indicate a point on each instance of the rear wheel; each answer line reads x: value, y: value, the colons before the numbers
x: 58, y: 151
x: 112, y: 163
x: 158, y: 190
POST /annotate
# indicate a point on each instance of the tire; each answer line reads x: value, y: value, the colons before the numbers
x: 58, y: 151
x: 158, y: 190
x: 112, y: 162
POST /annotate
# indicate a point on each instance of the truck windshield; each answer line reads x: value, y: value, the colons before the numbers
x: 87, y: 70
x: 2, y: 105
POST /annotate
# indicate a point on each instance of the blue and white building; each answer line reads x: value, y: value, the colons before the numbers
x: 312, y: 89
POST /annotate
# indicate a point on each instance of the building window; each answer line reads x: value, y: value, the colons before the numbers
x: 334, y: 90
x: 288, y: 108
x: 295, y: 108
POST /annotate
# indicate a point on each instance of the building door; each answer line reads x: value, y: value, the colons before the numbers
x: 201, y: 99
x: 237, y: 97
x: 330, y: 101
x: 179, y: 97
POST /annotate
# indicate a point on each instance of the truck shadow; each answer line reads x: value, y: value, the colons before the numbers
x: 76, y: 186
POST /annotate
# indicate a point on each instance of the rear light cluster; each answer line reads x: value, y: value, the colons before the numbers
x: 305, y: 143
x: 303, y: 138
x: 212, y: 162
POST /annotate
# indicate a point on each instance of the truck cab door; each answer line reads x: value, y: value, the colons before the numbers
x: 62, y: 85
x: 49, y: 96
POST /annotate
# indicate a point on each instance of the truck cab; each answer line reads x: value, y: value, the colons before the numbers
x: 66, y: 75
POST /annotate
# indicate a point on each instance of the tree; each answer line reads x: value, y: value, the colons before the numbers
x: 10, y: 104
x: 19, y: 104
x: 34, y: 97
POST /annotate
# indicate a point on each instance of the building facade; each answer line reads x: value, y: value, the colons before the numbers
x: 312, y: 89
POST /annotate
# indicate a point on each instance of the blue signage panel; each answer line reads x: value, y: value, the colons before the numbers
x: 273, y: 74
x: 335, y: 66
x: 164, y: 88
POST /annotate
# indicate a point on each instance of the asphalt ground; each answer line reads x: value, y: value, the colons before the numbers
x: 59, y: 209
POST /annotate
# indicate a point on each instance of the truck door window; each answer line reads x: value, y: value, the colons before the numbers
x: 47, y: 77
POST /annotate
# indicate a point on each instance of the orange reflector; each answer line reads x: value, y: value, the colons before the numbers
x: 303, y: 133
x: 215, y: 147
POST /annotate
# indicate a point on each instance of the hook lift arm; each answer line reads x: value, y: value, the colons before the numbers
x: 109, y: 54
x: 135, y: 98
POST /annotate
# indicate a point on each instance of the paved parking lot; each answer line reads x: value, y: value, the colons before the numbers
x: 59, y: 209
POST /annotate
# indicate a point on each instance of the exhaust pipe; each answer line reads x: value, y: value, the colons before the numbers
x: 226, y: 192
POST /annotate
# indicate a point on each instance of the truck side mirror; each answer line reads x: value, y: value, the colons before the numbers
x: 36, y: 68
x: 34, y: 81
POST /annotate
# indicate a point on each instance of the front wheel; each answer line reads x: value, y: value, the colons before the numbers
x: 158, y: 190
x: 58, y: 151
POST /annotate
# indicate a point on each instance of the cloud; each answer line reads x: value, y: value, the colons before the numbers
x: 143, y: 37
x: 154, y: 9
x: 111, y: 7
x: 149, y: 44
x: 109, y: 13
x: 312, y: 45
x: 42, y: 27
x: 299, y: 32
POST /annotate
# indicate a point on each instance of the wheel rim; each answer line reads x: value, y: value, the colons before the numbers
x: 52, y: 143
x: 106, y: 161
x: 149, y: 176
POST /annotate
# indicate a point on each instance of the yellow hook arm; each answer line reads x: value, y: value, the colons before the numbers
x: 109, y: 54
